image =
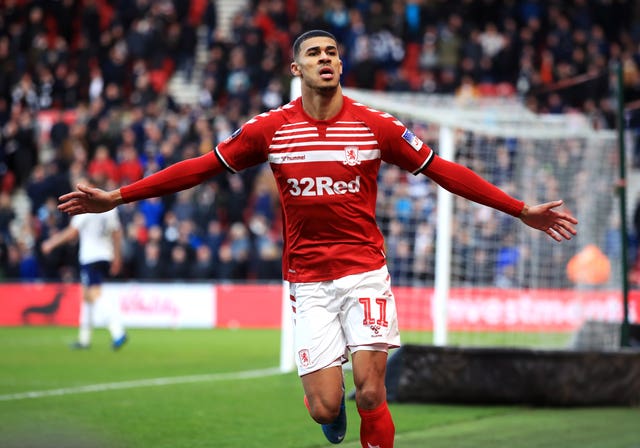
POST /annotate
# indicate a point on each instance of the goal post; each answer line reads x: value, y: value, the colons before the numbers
x: 442, y: 281
x: 287, y: 360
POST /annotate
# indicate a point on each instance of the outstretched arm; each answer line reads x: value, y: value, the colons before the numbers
x: 466, y: 183
x: 180, y: 176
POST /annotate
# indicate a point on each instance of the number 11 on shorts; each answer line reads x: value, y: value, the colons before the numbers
x: 382, y: 307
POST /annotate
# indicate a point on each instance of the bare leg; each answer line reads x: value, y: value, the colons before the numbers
x: 369, y: 368
x: 85, y: 330
x: 323, y: 390
x: 376, y: 424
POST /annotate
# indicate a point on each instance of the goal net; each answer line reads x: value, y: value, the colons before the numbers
x: 465, y: 274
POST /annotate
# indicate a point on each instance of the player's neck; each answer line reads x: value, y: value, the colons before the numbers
x: 322, y: 105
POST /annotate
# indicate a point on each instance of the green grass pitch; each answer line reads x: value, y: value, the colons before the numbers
x: 219, y: 388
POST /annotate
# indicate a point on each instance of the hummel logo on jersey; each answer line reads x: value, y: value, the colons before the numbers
x: 372, y: 446
x: 321, y: 185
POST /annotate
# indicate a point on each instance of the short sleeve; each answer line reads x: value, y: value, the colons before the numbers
x: 245, y: 148
x: 78, y: 221
x: 401, y: 147
x: 113, y: 221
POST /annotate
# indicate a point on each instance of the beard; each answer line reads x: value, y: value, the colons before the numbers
x: 324, y: 89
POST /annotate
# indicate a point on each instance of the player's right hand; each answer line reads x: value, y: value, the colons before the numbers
x: 88, y: 200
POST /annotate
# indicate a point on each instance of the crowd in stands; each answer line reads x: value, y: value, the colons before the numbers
x: 83, y: 95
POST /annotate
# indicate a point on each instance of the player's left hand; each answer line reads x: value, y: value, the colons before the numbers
x: 558, y: 225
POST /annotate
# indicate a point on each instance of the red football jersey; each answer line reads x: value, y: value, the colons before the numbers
x: 327, y: 174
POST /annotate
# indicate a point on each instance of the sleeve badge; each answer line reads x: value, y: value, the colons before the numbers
x: 412, y: 139
x: 232, y: 136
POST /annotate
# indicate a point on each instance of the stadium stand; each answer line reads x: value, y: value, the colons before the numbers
x: 85, y: 88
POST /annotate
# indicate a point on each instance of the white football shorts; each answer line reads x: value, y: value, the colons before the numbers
x: 333, y: 318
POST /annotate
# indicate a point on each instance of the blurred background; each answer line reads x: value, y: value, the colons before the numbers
x: 525, y: 90
x: 117, y: 90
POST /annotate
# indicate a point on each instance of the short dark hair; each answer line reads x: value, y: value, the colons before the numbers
x: 308, y: 35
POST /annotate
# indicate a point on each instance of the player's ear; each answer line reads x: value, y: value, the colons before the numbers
x: 295, y: 69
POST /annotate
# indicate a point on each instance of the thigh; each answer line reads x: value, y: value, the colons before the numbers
x: 324, y: 387
x: 318, y: 337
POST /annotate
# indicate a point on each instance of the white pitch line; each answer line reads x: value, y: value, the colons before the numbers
x: 142, y: 383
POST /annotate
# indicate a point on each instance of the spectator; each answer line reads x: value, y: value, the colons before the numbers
x: 266, y: 262
x: 234, y: 253
x: 12, y: 268
x: 105, y: 70
x: 59, y: 130
x: 151, y: 266
x: 129, y: 166
x: 179, y: 262
x: 210, y: 21
x: 214, y: 238
x: 102, y: 167
x: 204, y: 267
x: 20, y: 147
x: 153, y: 211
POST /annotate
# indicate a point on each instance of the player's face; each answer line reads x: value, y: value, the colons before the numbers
x: 318, y: 63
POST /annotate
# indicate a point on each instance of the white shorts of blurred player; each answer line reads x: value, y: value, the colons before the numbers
x: 336, y: 317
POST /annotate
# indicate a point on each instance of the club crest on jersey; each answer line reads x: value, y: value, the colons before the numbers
x: 412, y: 139
x: 351, y: 155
